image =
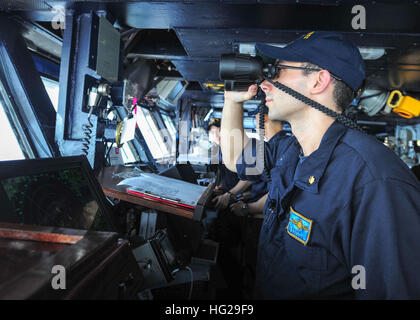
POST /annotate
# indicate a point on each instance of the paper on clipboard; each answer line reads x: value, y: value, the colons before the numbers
x: 166, y: 188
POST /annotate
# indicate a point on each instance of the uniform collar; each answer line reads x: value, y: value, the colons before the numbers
x: 313, y: 168
x: 277, y: 136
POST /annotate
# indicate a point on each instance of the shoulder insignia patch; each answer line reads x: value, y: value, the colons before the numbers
x: 299, y: 227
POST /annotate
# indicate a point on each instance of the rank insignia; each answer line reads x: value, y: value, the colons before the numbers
x: 308, y: 35
x: 299, y: 227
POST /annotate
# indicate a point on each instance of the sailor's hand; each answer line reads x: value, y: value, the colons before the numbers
x: 239, y: 208
x: 241, y: 96
x: 222, y: 201
x: 218, y: 191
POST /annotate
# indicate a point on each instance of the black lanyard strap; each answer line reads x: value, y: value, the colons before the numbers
x: 341, y: 118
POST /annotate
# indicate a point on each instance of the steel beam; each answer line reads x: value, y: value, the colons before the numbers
x: 77, y: 74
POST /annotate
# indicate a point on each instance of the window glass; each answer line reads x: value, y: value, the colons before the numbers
x: 169, y: 135
x: 127, y: 154
x: 150, y: 132
x: 169, y: 125
x: 9, y: 146
x: 52, y: 89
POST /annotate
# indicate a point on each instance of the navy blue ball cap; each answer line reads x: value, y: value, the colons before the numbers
x: 328, y: 50
x: 213, y: 122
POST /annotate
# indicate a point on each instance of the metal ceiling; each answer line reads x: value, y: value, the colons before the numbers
x: 193, y: 34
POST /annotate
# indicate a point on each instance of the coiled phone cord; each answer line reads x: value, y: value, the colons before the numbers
x: 260, y: 142
x: 87, y: 131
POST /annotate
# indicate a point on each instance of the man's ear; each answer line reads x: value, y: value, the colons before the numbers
x: 322, y: 80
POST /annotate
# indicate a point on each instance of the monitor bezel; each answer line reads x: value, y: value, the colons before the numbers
x: 18, y: 168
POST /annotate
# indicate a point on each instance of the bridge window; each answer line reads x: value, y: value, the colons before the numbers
x: 159, y: 144
x: 52, y: 89
x: 169, y: 125
x: 127, y: 153
x: 9, y: 146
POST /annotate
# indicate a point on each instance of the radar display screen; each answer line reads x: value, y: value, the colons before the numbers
x: 59, y: 198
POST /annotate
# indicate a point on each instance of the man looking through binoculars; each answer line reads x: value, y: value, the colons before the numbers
x: 338, y: 199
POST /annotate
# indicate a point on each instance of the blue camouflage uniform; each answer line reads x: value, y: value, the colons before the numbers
x: 350, y: 203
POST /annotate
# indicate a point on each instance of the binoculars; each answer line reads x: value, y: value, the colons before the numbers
x: 239, y: 71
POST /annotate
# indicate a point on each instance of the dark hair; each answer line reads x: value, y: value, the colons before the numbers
x: 343, y: 95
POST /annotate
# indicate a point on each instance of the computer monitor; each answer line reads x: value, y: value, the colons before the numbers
x: 57, y: 192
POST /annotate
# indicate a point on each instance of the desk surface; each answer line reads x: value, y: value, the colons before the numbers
x: 28, y: 254
x: 109, y: 178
